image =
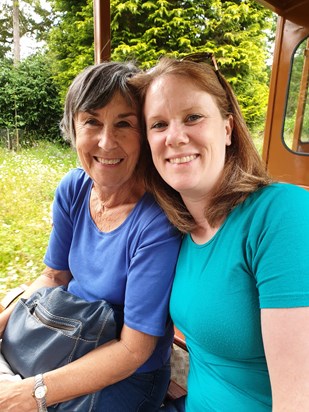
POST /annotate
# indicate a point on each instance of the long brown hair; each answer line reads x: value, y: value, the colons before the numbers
x: 244, y: 171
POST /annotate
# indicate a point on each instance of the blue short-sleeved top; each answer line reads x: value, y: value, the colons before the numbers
x: 132, y: 265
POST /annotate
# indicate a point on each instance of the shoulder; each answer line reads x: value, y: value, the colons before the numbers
x: 73, y: 181
x: 151, y: 210
x: 278, y: 207
x: 279, y: 196
x: 284, y: 190
x: 150, y: 218
x: 74, y: 177
x: 72, y: 189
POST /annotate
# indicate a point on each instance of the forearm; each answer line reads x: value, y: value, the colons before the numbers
x: 49, y: 278
x: 286, y: 342
x: 96, y: 370
x: 101, y: 367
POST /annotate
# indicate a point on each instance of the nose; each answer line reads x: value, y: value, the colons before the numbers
x: 107, y: 139
x: 176, y: 135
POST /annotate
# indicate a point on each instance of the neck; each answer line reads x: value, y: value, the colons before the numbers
x: 204, y: 231
x: 110, y: 209
x: 130, y: 193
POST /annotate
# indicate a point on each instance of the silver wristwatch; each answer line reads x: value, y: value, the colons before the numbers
x: 39, y: 393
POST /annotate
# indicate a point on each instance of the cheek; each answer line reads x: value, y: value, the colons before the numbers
x: 153, y: 149
x: 155, y: 154
x: 132, y: 145
x: 86, y: 142
x: 156, y: 144
x: 80, y: 140
x: 150, y: 143
x: 134, y: 156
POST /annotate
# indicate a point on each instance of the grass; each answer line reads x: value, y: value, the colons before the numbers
x: 28, y: 179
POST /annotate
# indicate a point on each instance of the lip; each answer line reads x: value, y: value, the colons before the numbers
x: 182, y: 159
x: 108, y: 162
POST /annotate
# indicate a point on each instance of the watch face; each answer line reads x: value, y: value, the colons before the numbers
x: 40, y: 392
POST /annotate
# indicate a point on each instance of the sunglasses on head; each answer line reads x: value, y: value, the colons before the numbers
x: 202, y: 57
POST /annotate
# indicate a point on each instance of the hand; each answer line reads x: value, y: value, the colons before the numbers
x: 17, y: 396
x: 3, y: 322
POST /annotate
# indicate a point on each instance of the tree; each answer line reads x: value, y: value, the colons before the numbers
x: 5, y: 30
x: 70, y: 41
x: 29, y: 99
x: 144, y: 30
x: 233, y: 30
x: 16, y: 31
x: 34, y: 20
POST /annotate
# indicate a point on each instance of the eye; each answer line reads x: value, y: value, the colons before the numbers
x: 123, y: 123
x: 158, y: 125
x: 92, y: 121
x: 193, y: 117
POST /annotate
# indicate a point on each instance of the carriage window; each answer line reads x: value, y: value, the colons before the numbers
x: 296, y: 125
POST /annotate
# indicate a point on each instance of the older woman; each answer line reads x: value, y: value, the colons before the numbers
x: 241, y: 290
x: 110, y: 240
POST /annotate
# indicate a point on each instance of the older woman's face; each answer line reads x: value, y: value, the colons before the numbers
x: 187, y: 135
x: 108, y: 143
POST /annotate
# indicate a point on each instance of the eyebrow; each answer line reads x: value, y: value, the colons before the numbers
x: 121, y: 115
x: 191, y: 110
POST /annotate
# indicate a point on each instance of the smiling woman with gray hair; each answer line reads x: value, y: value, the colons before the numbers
x: 110, y: 240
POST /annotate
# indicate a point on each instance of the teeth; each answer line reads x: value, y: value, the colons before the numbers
x: 109, y: 161
x: 184, y: 159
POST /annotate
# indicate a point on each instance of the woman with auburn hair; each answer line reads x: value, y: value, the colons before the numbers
x: 241, y: 290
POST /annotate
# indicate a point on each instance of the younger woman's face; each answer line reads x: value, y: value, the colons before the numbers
x: 187, y: 134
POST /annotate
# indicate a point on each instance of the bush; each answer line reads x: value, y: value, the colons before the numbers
x: 29, y: 99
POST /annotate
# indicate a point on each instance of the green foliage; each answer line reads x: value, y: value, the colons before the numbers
x: 27, y: 183
x: 144, y: 30
x: 34, y: 20
x: 293, y: 97
x: 233, y: 30
x: 6, y: 30
x: 70, y: 41
x: 295, y: 79
x: 29, y: 99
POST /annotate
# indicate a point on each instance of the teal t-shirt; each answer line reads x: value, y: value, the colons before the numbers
x: 259, y: 258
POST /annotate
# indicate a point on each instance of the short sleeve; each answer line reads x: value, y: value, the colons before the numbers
x: 66, y: 197
x: 150, y: 277
x: 281, y: 257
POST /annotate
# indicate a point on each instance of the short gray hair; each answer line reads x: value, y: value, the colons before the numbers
x: 94, y: 88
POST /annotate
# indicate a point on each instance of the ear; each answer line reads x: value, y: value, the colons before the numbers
x: 229, y: 129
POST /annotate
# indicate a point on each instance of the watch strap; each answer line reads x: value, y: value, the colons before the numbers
x: 39, y: 392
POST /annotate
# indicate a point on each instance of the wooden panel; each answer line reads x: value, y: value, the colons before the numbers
x: 296, y: 11
x: 102, y: 30
x: 282, y: 163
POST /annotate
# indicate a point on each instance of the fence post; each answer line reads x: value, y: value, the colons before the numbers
x: 17, y: 139
x: 9, y: 140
